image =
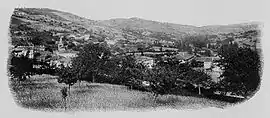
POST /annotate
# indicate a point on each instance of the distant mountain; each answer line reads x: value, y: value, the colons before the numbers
x: 138, y: 23
x: 154, y: 26
x: 232, y: 28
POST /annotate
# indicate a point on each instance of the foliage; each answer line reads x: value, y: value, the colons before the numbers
x: 182, y: 45
x: 168, y: 76
x: 91, y: 61
x: 194, y: 63
x: 198, y: 41
x: 18, y: 41
x: 241, y: 69
x: 128, y: 70
x: 41, y: 38
x: 66, y: 75
x: 198, y: 78
x: 45, y: 67
x: 163, y: 36
x: 21, y: 66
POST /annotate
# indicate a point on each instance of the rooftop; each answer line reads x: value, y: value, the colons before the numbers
x: 206, y: 59
x: 183, y: 56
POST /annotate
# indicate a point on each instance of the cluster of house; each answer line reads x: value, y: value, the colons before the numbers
x: 60, y: 57
x: 147, y: 61
x: 164, y: 43
x: 24, y: 50
x: 209, y: 64
x: 64, y: 57
x: 59, y: 61
x: 19, y: 13
x: 158, y: 48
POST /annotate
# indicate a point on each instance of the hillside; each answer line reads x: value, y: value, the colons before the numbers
x: 233, y: 28
x: 138, y: 23
x: 114, y: 32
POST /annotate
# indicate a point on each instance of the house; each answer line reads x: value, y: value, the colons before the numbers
x: 163, y: 43
x: 210, y: 67
x: 71, y: 36
x: 75, y: 43
x: 156, y: 48
x: 150, y: 40
x: 19, y: 13
x: 110, y: 42
x: 62, y: 59
x: 67, y: 54
x: 183, y: 57
x: 170, y: 49
x: 228, y: 41
x: 207, y: 61
x: 23, y: 50
x: 167, y: 43
x: 208, y: 45
x: 147, y: 61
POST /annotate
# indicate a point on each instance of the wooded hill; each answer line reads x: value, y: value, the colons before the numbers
x: 112, y: 31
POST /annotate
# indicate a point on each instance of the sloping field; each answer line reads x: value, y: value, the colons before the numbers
x: 43, y: 93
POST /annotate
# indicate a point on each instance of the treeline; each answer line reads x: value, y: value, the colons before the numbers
x: 242, y: 70
x: 96, y: 63
x: 22, y: 67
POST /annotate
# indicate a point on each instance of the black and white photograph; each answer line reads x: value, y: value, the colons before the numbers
x: 137, y: 56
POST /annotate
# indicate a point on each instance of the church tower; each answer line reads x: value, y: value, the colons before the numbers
x: 61, y: 45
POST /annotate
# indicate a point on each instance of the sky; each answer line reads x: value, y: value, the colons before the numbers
x: 187, y: 12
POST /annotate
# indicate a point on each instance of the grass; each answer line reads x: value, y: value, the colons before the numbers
x: 43, y: 93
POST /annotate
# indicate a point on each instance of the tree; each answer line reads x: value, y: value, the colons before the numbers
x: 42, y: 38
x: 44, y: 67
x: 128, y: 71
x: 91, y: 61
x: 198, y: 78
x: 141, y: 48
x: 21, y: 66
x: 66, y: 75
x: 169, y: 75
x: 241, y: 69
x: 198, y: 41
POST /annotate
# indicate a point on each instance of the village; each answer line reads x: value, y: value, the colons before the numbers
x: 66, y: 62
x: 164, y: 49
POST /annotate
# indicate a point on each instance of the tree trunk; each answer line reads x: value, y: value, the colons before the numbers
x: 93, y: 78
x: 155, y: 97
x: 68, y: 99
x: 69, y: 86
x: 65, y: 103
x: 199, y: 90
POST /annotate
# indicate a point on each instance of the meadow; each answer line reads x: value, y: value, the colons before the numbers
x: 42, y: 92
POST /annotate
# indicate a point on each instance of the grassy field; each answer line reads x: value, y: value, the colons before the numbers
x: 43, y: 93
